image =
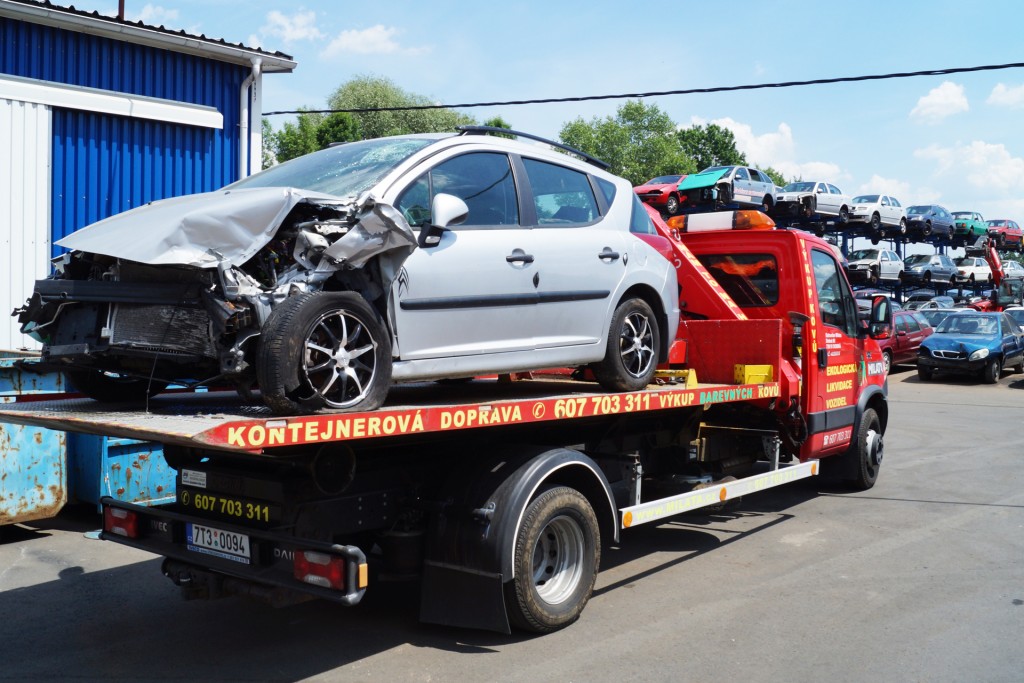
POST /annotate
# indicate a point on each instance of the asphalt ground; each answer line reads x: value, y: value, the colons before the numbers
x: 919, y: 579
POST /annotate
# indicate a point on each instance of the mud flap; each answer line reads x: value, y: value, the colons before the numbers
x: 457, y: 596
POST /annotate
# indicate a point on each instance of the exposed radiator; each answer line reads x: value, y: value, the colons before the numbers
x: 165, y: 329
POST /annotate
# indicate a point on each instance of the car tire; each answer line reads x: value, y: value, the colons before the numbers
x: 556, y: 558
x: 927, y: 278
x: 887, y: 361
x: 724, y: 195
x: 903, y: 226
x: 875, y: 239
x: 1019, y: 367
x: 672, y: 205
x: 844, y: 216
x: 876, y: 223
x: 110, y: 387
x: 633, y: 348
x: 867, y: 449
x: 924, y: 373
x: 766, y: 204
x: 926, y: 230
x: 298, y: 367
x: 873, y: 276
x: 992, y: 372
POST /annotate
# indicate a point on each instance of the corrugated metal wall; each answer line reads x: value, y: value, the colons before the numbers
x: 103, y: 165
x: 25, y: 207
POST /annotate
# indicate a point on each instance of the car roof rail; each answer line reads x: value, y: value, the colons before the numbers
x: 484, y: 130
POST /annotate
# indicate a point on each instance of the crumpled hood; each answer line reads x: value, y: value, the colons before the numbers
x: 695, y: 181
x: 199, y: 230
x: 955, y: 342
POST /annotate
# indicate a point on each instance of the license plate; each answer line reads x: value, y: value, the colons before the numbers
x: 227, y: 545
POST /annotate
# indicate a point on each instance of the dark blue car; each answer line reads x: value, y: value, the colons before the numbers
x: 972, y: 343
x: 929, y: 220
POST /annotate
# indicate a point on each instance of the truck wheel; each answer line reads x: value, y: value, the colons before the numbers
x: 993, y: 370
x: 328, y: 350
x: 631, y: 355
x: 925, y: 374
x: 887, y: 361
x: 557, y: 553
x: 110, y: 387
x: 672, y: 205
x: 868, y: 450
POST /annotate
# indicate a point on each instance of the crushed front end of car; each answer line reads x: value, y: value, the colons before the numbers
x: 177, y: 291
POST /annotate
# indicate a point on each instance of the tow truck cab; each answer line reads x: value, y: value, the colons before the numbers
x: 831, y: 367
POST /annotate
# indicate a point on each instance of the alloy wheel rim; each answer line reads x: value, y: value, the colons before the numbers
x: 636, y: 344
x: 339, y: 359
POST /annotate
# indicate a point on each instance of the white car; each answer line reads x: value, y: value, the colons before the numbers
x: 723, y: 185
x: 973, y: 269
x: 325, y: 278
x: 883, y: 213
x: 807, y: 199
x: 872, y: 265
x: 1013, y: 269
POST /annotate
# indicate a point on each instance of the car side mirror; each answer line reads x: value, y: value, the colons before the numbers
x: 446, y: 210
x: 880, y: 322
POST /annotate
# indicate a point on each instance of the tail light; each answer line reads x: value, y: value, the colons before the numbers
x: 121, y: 522
x: 319, y: 569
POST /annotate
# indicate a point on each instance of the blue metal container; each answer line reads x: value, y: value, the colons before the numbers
x: 125, y: 469
x: 33, y: 460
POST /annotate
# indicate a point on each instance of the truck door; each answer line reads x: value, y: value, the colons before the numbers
x: 835, y: 358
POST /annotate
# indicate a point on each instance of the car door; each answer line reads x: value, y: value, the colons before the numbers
x: 741, y: 187
x: 822, y: 199
x: 581, y: 256
x: 473, y: 292
x: 1013, y: 341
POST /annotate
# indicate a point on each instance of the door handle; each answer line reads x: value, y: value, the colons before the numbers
x: 519, y: 258
x: 608, y: 254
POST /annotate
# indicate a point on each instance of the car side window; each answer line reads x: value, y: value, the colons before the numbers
x: 1007, y: 328
x: 833, y: 189
x: 741, y: 174
x: 885, y: 201
x: 895, y: 202
x: 481, y: 179
x: 911, y: 324
x: 560, y: 195
x: 640, y: 221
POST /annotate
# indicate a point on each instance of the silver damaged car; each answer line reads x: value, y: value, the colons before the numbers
x: 322, y: 280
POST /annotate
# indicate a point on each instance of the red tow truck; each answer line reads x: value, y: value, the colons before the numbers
x: 1007, y: 291
x: 497, y: 493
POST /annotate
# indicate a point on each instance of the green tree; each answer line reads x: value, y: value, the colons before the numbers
x: 638, y: 142
x: 776, y: 176
x: 710, y: 145
x: 366, y: 92
x: 269, y: 144
x: 298, y: 138
x: 498, y: 122
x: 337, y: 127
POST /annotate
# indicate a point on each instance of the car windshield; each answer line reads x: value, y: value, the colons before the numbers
x: 915, y: 259
x: 997, y: 224
x: 962, y: 214
x: 965, y: 261
x: 866, y: 199
x: 1017, y: 314
x: 798, y: 187
x: 934, y: 316
x: 915, y: 210
x: 862, y: 254
x: 663, y: 180
x: 968, y: 324
x: 715, y: 169
x: 344, y: 170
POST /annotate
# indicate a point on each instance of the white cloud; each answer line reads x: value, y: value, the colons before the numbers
x: 153, y: 15
x: 940, y: 102
x: 983, y: 165
x: 901, y: 190
x: 776, y: 149
x: 254, y: 41
x: 1007, y: 96
x: 376, y: 40
x: 290, y: 29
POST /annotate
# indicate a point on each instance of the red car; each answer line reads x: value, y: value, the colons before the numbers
x: 1006, y: 233
x: 909, y: 329
x: 662, y: 193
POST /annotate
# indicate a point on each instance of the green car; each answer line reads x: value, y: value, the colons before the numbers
x: 968, y: 226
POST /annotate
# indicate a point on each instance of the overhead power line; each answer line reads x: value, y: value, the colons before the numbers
x: 661, y: 93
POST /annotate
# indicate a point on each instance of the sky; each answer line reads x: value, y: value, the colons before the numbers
x: 955, y: 140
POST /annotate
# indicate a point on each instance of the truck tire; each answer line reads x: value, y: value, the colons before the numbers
x: 867, y: 449
x: 633, y: 348
x: 108, y: 387
x: 557, y: 554
x: 323, y: 351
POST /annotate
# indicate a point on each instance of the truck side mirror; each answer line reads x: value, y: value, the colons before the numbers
x: 880, y: 322
x: 446, y: 210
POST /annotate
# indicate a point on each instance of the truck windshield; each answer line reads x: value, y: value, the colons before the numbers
x: 752, y: 280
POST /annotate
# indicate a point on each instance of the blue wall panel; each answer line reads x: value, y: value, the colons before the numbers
x: 104, y: 164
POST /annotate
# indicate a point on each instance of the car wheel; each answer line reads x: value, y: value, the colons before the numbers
x: 924, y: 373
x: 556, y: 557
x: 672, y: 205
x: 874, y: 239
x: 867, y: 449
x: 111, y: 387
x: 844, y: 216
x: 927, y: 277
x: 876, y: 223
x: 903, y: 226
x: 1019, y: 367
x: 724, y: 195
x: 323, y: 351
x: 970, y: 278
x: 766, y: 204
x: 873, y: 276
x: 887, y: 361
x: 631, y: 354
x: 993, y: 370
x: 927, y: 229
